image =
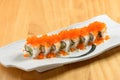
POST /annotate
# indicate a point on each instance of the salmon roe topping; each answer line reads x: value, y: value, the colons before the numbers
x: 41, y: 56
x: 67, y: 34
x: 107, y: 37
x: 63, y: 53
x: 26, y: 55
x: 51, y: 55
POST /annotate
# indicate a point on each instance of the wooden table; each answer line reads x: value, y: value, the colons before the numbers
x: 20, y: 18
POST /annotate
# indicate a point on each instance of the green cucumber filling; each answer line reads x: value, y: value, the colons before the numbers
x: 29, y: 50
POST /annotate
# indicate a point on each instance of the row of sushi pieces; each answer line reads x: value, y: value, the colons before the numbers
x: 66, y: 41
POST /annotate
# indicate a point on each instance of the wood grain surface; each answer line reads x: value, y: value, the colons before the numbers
x: 21, y: 18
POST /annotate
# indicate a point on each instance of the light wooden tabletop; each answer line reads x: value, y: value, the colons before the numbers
x: 20, y: 18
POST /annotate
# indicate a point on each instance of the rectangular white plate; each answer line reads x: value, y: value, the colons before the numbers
x: 11, y: 55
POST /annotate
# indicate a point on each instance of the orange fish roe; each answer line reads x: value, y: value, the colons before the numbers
x: 32, y: 40
x: 107, y: 37
x: 72, y: 49
x: 41, y: 56
x: 67, y: 34
x: 81, y: 46
x: 26, y: 55
x: 50, y: 55
x: 99, y: 41
x: 63, y: 53
x: 90, y: 43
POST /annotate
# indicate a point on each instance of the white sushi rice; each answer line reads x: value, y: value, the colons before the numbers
x: 67, y: 45
x: 76, y: 40
x: 47, y: 50
x: 36, y: 52
x: 57, y: 47
x: 86, y: 40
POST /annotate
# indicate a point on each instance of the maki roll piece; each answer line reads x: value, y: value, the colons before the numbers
x: 64, y: 47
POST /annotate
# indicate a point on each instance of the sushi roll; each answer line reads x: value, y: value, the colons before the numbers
x: 66, y: 41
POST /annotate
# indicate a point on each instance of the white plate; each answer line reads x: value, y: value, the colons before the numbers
x: 11, y: 55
